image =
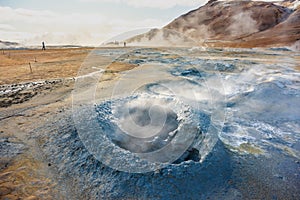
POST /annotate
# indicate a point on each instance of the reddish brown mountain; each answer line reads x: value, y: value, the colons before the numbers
x: 236, y: 24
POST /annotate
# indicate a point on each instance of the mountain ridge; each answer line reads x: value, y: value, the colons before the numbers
x: 233, y: 24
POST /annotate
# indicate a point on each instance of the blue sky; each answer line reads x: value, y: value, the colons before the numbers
x: 84, y: 22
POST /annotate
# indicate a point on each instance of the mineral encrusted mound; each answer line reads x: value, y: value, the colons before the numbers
x: 84, y: 176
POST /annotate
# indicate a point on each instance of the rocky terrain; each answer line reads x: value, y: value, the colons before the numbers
x: 256, y: 156
x: 234, y: 24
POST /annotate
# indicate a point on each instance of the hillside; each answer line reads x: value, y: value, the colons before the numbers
x: 234, y: 24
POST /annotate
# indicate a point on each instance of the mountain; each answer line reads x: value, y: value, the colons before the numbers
x: 7, y: 44
x: 284, y: 34
x: 233, y: 24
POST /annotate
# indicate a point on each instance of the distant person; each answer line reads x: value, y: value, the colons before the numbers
x: 124, y: 44
x: 43, y: 46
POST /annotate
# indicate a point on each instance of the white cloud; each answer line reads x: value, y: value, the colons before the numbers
x: 6, y: 27
x: 162, y: 4
x: 33, y: 26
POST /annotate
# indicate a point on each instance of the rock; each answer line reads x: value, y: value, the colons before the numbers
x: 10, y: 149
x: 31, y: 198
x: 10, y: 197
x: 5, y: 190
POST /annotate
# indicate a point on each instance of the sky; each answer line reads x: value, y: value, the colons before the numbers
x: 84, y: 22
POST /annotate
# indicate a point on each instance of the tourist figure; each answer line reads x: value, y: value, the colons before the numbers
x: 124, y: 44
x: 43, y: 46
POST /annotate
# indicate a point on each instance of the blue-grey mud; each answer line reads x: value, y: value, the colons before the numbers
x: 245, y: 101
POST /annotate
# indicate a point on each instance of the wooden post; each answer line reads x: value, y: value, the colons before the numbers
x: 30, y: 67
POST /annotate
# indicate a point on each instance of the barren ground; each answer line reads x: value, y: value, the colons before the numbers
x: 28, y: 99
x: 25, y: 173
